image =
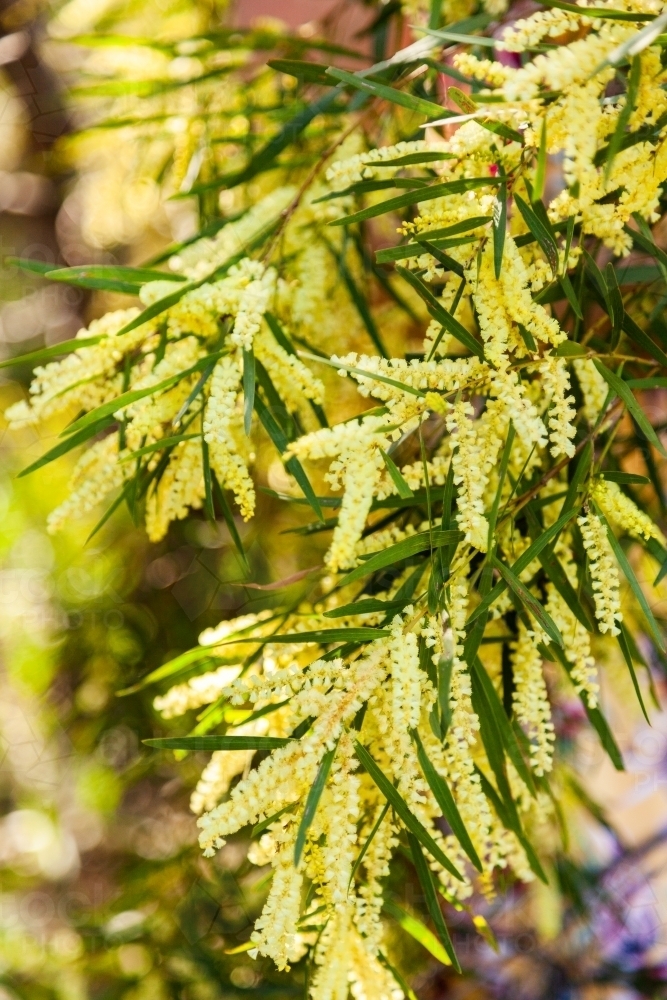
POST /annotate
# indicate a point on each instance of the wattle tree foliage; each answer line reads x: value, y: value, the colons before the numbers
x: 435, y: 287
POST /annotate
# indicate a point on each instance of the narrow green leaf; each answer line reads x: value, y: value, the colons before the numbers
x: 458, y: 227
x: 536, y: 609
x: 126, y: 398
x: 209, y: 508
x: 64, y: 446
x: 367, y: 606
x: 541, y: 168
x: 417, y: 930
x: 361, y: 305
x: 46, y: 353
x: 161, y: 445
x: 542, y: 234
x: 223, y: 504
x: 629, y: 574
x: 499, y: 227
x: 416, y: 197
x: 427, y: 883
x: 595, y: 716
x: 400, y: 807
x: 575, y: 305
x: 26, y: 264
x: 556, y: 573
x: 366, y: 374
x: 111, y: 274
x: 402, y: 550
x: 369, y: 839
x: 622, y: 390
x: 502, y: 723
x: 508, y: 816
x: 445, y: 800
x: 624, y: 115
x: 409, y: 159
x: 402, y: 487
x: 260, y: 827
x: 312, y: 801
x: 603, y: 12
x: 615, y: 300
x: 248, y: 388
x: 438, y: 312
x: 309, y: 72
x: 324, y: 636
x: 525, y: 560
x: 409, y: 101
x: 625, y: 477
x: 627, y: 656
x: 502, y: 472
x: 218, y: 742
x: 447, y: 262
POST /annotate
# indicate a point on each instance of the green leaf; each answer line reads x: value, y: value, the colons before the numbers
x: 367, y: 606
x: 571, y: 297
x: 447, y: 262
x: 218, y: 742
x: 409, y: 159
x: 501, y: 722
x: 502, y: 472
x: 595, y: 716
x: 303, y: 70
x: 46, y: 353
x: 417, y: 197
x: 248, y: 388
x: 428, y: 885
x: 439, y: 313
x: 615, y: 300
x: 260, y: 827
x: 26, y: 264
x: 402, y: 487
x: 366, y: 374
x: 627, y: 656
x: 310, y: 808
x: 361, y: 304
x: 557, y: 574
x: 467, y: 105
x: 541, y: 168
x: 632, y: 580
x: 569, y: 349
x: 402, y: 550
x: 536, y: 609
x: 223, y: 504
x: 459, y: 38
x: 417, y: 930
x: 499, y: 228
x: 459, y: 227
x: 369, y: 839
x: 264, y: 158
x: 409, y: 101
x: 319, y: 635
x: 209, y: 508
x: 126, y: 398
x: 508, y: 816
x: 445, y: 800
x: 542, y: 234
x: 391, y: 254
x: 624, y: 477
x: 67, y: 445
x: 162, y: 444
x: 525, y: 560
x: 400, y: 807
x: 643, y: 237
x: 624, y: 393
x: 604, y: 12
x: 624, y: 115
x: 112, y: 277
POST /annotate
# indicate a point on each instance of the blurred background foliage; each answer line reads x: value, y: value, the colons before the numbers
x: 103, y: 892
